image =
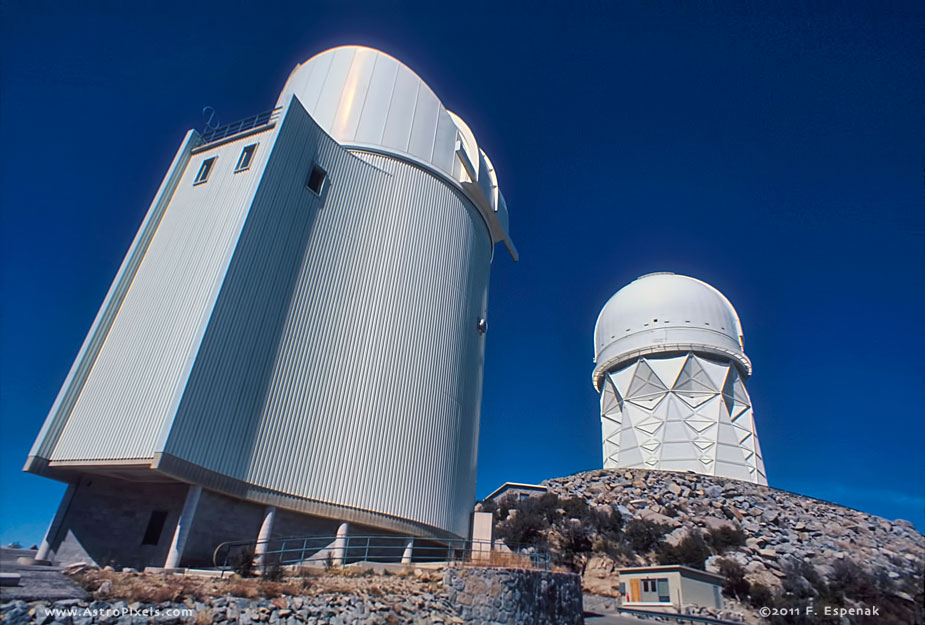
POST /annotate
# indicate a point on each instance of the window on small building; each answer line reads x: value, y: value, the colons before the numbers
x: 204, y: 170
x: 155, y: 527
x: 247, y: 155
x: 663, y: 594
x: 316, y: 178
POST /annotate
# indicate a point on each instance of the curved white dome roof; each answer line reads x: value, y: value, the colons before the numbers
x: 666, y: 312
x: 365, y: 99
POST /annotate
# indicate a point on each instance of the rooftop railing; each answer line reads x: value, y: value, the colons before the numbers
x: 255, y: 121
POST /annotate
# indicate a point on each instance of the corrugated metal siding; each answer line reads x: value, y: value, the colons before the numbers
x: 343, y: 353
x: 80, y: 370
x: 142, y: 367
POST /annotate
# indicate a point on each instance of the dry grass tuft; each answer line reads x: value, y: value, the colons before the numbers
x: 157, y: 588
x: 502, y: 559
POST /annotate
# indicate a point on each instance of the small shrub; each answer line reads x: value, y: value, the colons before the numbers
x: 273, y: 572
x: 848, y: 580
x: 760, y: 596
x: 692, y: 552
x: 725, y: 538
x: 735, y: 584
x: 575, y: 508
x: 242, y: 562
x: 607, y: 523
x: 612, y: 548
x: 575, y: 542
x: 532, y: 518
x: 489, y: 505
x: 794, y: 584
x: 642, y: 535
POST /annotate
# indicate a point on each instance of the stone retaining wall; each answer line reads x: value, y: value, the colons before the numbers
x: 494, y: 596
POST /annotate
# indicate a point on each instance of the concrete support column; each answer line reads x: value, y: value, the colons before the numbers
x: 263, y: 538
x: 409, y: 549
x: 482, y: 534
x: 183, y: 526
x: 340, y: 545
x: 52, y: 533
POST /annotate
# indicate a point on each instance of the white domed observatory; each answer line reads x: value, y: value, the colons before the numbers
x: 671, y: 370
x: 296, y: 339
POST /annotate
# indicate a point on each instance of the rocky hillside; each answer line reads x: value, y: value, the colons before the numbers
x: 774, y: 547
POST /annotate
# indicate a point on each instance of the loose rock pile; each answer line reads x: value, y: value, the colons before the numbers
x: 781, y: 528
x: 454, y: 596
x: 329, y: 608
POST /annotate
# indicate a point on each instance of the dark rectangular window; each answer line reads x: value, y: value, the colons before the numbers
x: 204, y: 170
x: 247, y: 155
x: 316, y: 178
x: 155, y: 527
x: 662, y: 587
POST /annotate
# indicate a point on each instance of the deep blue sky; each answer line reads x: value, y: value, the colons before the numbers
x: 775, y: 152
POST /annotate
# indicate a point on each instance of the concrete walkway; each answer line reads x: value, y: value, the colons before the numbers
x: 602, y: 611
x: 36, y: 582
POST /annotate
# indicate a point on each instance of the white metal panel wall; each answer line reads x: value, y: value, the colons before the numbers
x: 83, y: 364
x: 226, y: 393
x: 381, y: 360
x: 358, y: 319
x: 683, y: 412
x: 141, y: 369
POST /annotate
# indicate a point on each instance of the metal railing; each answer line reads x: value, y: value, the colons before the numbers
x: 330, y: 551
x: 262, y: 119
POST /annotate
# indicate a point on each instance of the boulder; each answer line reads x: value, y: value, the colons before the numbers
x: 650, y: 515
x: 600, y: 576
x: 755, y: 543
x: 674, y: 538
x: 713, y: 524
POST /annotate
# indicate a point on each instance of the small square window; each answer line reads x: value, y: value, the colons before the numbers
x: 316, y: 179
x: 204, y: 170
x: 247, y: 155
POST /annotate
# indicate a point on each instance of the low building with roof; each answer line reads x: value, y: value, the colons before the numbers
x: 670, y: 587
x: 516, y: 490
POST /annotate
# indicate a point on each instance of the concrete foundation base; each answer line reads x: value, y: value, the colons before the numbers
x: 112, y: 522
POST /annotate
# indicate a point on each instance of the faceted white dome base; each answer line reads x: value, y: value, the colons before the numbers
x: 680, y: 413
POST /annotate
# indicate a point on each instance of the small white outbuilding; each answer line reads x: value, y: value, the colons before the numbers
x: 670, y: 586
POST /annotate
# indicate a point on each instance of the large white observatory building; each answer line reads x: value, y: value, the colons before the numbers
x: 671, y: 370
x: 295, y: 338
